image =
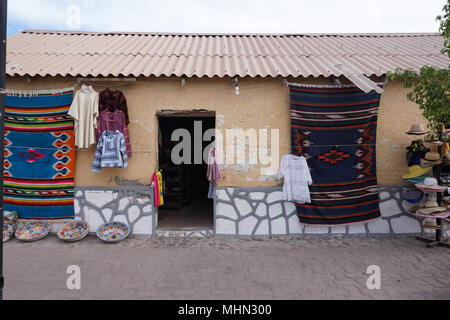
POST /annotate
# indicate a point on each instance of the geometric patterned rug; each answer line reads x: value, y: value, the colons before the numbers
x: 335, y: 130
x: 39, y: 157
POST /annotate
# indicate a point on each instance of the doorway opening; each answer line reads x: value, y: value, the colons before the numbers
x: 187, y: 205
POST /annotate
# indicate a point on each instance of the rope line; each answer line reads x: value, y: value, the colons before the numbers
x: 149, y: 151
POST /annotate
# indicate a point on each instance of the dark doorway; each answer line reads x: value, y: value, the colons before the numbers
x: 186, y: 202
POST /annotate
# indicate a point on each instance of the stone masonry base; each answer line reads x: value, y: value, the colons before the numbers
x: 261, y: 212
x: 239, y: 212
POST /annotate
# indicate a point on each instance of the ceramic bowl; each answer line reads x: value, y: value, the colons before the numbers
x: 33, y: 231
x: 113, y: 232
x: 8, y: 231
x: 73, y: 231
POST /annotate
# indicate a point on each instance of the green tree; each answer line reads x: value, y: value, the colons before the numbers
x: 431, y: 85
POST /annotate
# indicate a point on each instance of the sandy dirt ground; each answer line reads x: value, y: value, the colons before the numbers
x: 227, y: 269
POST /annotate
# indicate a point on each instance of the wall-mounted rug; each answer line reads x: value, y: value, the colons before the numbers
x: 39, y: 156
x: 335, y: 129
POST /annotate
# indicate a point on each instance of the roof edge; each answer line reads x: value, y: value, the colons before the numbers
x: 77, y: 32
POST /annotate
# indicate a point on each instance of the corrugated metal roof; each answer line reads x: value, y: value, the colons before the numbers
x: 53, y: 53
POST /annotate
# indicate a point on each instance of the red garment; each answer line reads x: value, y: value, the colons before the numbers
x: 112, y: 101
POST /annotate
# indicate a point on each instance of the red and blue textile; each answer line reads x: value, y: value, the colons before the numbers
x: 335, y: 130
x: 39, y: 162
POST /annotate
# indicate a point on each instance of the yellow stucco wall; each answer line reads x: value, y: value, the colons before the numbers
x: 262, y: 104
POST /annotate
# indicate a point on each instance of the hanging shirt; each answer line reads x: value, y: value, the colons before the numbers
x: 111, y: 151
x: 113, y: 121
x: 84, y: 111
x: 297, y: 178
x: 112, y: 101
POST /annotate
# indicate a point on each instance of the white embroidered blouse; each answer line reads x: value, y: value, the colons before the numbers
x: 297, y: 178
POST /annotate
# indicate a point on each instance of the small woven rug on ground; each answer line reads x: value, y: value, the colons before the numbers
x: 335, y: 130
x: 39, y: 156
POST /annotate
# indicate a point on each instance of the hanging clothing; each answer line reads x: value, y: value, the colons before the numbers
x: 111, y: 151
x: 297, y: 178
x: 157, y: 185
x: 84, y: 111
x: 113, y: 121
x: 161, y: 189
x: 112, y: 101
x: 213, y: 173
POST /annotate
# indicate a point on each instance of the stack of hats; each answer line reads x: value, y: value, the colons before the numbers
x: 420, y: 159
x: 432, y: 209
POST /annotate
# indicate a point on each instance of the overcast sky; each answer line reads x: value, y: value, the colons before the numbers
x: 226, y: 16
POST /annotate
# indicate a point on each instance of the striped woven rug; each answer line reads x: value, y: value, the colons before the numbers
x: 335, y: 130
x: 39, y: 157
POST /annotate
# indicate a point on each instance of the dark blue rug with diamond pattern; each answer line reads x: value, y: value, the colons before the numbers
x: 335, y: 130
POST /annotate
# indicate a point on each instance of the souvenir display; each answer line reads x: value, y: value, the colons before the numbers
x: 33, y: 231
x: 73, y: 231
x: 112, y: 135
x: 113, y: 232
x: 423, y: 162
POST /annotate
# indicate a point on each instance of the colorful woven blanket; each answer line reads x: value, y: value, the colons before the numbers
x: 335, y: 130
x: 39, y: 157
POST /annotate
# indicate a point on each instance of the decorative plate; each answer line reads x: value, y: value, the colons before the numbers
x: 113, y: 232
x: 73, y: 231
x: 8, y: 231
x: 33, y: 231
x: 10, y: 217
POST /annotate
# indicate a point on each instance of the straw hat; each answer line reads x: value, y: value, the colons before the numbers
x: 416, y: 171
x: 419, y: 179
x: 418, y: 129
x: 414, y: 209
x: 430, y: 224
x: 430, y: 163
x: 432, y: 158
x: 435, y: 210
